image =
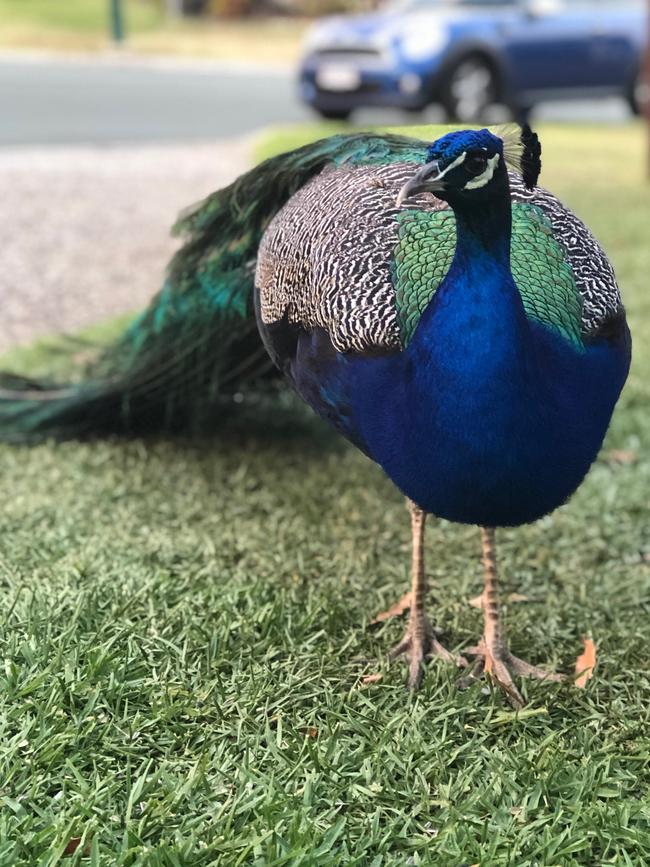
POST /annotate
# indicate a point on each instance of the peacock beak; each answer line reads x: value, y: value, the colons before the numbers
x: 425, y: 180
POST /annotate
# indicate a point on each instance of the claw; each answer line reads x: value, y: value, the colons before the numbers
x: 418, y: 645
x: 500, y: 665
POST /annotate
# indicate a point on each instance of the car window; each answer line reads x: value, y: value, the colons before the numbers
x: 411, y: 5
x: 613, y: 4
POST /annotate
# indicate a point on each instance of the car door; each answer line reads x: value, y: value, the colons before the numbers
x: 549, y: 46
x: 617, y: 34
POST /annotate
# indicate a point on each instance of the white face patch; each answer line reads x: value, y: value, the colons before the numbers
x: 456, y: 162
x: 484, y: 178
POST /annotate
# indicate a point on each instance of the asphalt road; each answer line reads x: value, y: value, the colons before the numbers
x: 122, y: 99
x: 74, y: 101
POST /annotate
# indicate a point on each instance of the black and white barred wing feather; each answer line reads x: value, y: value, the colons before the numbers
x: 327, y: 258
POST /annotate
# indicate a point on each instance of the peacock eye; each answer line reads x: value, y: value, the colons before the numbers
x: 476, y: 164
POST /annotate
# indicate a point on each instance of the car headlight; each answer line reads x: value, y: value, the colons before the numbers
x: 422, y: 43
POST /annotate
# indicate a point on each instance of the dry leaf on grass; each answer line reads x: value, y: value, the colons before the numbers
x: 585, y: 663
x: 371, y: 678
x: 621, y: 456
x: 73, y: 845
x: 517, y: 597
x: 395, y: 610
x: 477, y: 601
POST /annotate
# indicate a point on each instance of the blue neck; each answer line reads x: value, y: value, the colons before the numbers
x: 483, y: 231
x: 476, y: 320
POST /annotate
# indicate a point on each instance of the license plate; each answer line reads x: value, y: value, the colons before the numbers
x: 339, y: 78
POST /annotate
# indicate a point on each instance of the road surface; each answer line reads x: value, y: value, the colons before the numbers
x: 46, y: 101
x: 122, y: 99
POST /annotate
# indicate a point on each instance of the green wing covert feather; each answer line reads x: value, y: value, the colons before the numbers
x: 425, y: 249
x: 543, y: 274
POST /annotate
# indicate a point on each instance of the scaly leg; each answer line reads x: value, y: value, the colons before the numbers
x: 419, y: 641
x: 494, y: 658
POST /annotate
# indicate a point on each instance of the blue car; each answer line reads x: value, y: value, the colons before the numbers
x: 468, y: 55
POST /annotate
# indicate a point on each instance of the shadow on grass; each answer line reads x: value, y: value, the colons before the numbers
x: 259, y: 422
x: 262, y: 416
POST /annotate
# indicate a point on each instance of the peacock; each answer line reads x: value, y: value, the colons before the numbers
x: 453, y: 320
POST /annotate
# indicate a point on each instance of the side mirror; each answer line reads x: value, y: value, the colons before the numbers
x: 542, y: 8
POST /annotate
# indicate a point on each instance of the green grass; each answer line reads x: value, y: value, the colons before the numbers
x: 185, y: 626
x: 83, y: 25
x: 79, y: 15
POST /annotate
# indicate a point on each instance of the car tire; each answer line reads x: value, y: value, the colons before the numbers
x: 334, y: 113
x: 469, y: 88
x: 521, y: 113
x: 638, y: 93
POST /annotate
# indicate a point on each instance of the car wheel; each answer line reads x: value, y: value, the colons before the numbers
x: 521, y: 113
x: 334, y: 113
x: 470, y: 88
x: 638, y: 94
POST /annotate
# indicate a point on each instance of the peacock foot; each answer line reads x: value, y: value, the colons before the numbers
x: 500, y: 665
x: 418, y: 645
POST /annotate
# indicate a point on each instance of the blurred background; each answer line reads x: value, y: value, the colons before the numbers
x: 116, y: 114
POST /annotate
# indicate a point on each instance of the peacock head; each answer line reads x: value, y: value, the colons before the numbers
x: 470, y: 165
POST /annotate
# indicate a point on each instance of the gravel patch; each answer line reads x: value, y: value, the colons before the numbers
x: 85, y: 230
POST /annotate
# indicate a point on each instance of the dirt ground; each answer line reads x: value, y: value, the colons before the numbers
x: 85, y: 230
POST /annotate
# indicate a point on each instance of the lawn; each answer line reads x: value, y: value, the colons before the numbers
x: 186, y: 627
x: 81, y: 15
x: 83, y: 25
x: 70, y: 24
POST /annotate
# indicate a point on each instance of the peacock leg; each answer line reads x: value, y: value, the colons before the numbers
x: 419, y: 641
x: 494, y: 658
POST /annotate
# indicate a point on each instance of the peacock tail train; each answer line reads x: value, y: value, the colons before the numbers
x: 178, y: 363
